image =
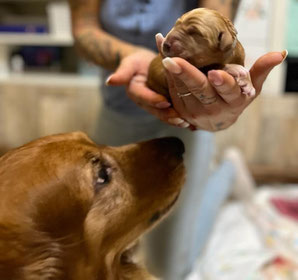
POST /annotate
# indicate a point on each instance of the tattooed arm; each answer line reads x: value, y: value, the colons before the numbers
x: 94, y: 43
x: 227, y: 7
x: 130, y: 63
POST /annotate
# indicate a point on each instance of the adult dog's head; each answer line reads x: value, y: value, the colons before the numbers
x: 202, y: 37
x: 70, y: 209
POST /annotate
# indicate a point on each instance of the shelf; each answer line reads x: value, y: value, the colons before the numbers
x: 35, y: 39
x: 59, y: 26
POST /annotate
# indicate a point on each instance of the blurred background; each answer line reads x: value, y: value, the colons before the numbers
x: 46, y: 88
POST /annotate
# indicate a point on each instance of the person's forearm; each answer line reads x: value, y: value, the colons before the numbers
x: 227, y: 7
x: 93, y: 43
x: 100, y: 48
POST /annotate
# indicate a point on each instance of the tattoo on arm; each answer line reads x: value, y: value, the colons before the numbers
x: 91, y: 40
x: 97, y: 51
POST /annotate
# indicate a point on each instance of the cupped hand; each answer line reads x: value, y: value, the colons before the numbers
x: 213, y: 102
x: 132, y: 73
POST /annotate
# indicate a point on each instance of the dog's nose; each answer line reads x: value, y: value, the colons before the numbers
x: 172, y: 144
x: 166, y: 47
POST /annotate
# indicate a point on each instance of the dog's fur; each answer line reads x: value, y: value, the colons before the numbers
x: 3, y: 150
x: 206, y: 39
x: 72, y: 210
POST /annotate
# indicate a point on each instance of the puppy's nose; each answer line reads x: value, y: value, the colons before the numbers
x: 173, y: 145
x: 166, y: 47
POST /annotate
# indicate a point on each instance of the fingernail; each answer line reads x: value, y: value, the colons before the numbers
x: 184, y: 125
x: 171, y: 65
x: 215, y: 78
x: 284, y: 54
x: 175, y: 121
x: 107, y: 82
x: 163, y: 105
x: 159, y: 36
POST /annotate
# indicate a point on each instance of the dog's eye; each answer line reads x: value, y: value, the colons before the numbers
x: 104, y: 175
x: 95, y: 160
x: 102, y: 172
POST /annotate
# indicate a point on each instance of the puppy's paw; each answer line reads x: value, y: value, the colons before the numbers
x: 242, y: 77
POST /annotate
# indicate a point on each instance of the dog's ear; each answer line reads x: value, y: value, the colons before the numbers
x: 3, y: 150
x: 227, y: 38
x: 225, y: 41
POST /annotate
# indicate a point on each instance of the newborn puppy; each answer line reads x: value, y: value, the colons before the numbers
x: 73, y: 210
x: 206, y: 39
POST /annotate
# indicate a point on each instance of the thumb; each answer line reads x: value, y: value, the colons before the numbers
x: 122, y: 75
x: 159, y: 38
x: 263, y: 66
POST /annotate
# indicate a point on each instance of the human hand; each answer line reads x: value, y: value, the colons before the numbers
x: 132, y: 73
x: 215, y: 101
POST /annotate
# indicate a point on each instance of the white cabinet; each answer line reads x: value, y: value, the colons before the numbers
x: 261, y: 25
x: 59, y: 27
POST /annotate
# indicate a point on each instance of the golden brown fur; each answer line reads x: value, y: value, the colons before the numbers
x: 3, y: 150
x: 203, y: 37
x: 72, y: 210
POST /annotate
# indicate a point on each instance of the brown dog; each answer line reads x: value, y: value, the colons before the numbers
x: 206, y: 39
x: 70, y: 209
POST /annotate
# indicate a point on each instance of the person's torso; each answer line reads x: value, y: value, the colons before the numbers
x: 137, y: 22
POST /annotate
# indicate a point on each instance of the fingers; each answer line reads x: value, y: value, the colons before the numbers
x: 213, y: 105
x: 263, y: 66
x: 169, y: 116
x: 122, y: 75
x: 227, y: 87
x: 154, y: 103
x: 187, y: 78
x: 159, y: 40
x: 142, y: 95
x: 177, y: 102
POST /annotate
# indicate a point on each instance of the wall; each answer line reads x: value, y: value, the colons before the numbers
x: 266, y: 133
x: 291, y: 28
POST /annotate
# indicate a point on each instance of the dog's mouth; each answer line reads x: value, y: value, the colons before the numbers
x: 159, y: 214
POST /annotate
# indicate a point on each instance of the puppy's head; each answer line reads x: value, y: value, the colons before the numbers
x: 88, y: 202
x: 202, y: 37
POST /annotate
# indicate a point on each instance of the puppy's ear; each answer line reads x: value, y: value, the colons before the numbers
x: 225, y: 41
x: 227, y: 38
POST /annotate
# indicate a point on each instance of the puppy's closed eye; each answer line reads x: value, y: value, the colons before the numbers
x: 193, y: 30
